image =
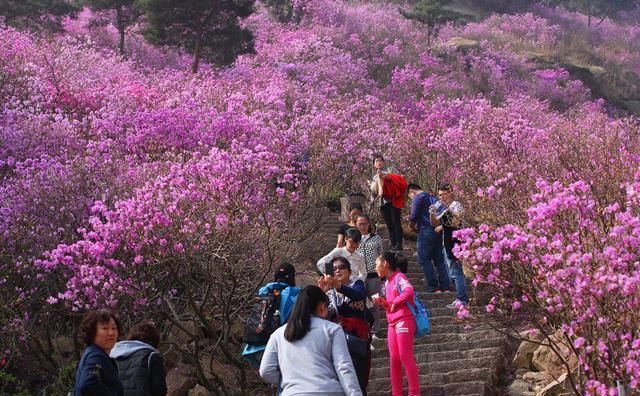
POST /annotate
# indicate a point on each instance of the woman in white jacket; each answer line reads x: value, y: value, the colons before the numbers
x: 309, y: 355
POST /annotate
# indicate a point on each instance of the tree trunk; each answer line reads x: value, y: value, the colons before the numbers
x: 121, y: 28
x: 121, y: 45
x: 197, y: 49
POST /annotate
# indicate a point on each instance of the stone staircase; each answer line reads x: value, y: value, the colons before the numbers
x: 457, y: 358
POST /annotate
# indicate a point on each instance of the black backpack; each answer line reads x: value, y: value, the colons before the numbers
x: 263, y: 319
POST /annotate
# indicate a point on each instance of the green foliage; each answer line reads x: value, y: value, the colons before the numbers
x: 126, y: 14
x: 282, y: 10
x: 36, y: 14
x: 206, y: 28
x: 10, y: 385
x: 431, y: 13
x: 65, y: 381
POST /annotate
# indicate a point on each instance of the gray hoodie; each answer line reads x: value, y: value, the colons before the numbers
x: 318, y: 364
x: 124, y: 349
x: 140, y: 368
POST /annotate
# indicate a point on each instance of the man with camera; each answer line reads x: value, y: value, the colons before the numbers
x: 429, y: 243
x: 446, y: 215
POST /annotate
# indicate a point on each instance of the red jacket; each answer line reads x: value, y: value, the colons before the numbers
x: 395, y: 188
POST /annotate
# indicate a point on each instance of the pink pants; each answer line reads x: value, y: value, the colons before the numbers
x: 400, y: 337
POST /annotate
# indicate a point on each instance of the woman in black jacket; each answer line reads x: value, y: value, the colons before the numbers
x: 97, y: 374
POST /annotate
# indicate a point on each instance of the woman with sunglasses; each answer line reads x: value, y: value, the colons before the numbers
x: 348, y: 307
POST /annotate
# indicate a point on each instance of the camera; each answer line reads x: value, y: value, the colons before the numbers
x: 438, y: 209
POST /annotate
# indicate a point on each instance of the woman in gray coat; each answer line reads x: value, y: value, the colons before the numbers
x: 309, y: 356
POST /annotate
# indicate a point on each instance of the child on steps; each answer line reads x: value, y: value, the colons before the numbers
x: 402, y: 325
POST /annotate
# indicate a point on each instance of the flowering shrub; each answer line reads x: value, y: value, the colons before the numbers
x: 130, y: 182
x: 573, y: 266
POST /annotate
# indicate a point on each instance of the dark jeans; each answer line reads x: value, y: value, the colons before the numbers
x: 374, y: 286
x: 393, y: 221
x: 362, y: 367
x: 457, y: 274
x: 429, y: 248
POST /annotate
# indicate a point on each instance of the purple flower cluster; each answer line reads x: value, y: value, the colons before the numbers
x: 117, y: 174
x: 573, y: 266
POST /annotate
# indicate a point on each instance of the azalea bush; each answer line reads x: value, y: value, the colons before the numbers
x: 129, y: 182
x: 572, y: 267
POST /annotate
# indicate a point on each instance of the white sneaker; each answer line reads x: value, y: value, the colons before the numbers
x: 372, y: 347
x: 375, y: 338
x: 456, y: 303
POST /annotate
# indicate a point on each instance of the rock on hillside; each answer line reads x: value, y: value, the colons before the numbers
x: 618, y: 86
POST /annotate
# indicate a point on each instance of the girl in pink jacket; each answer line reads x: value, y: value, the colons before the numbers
x: 402, y: 324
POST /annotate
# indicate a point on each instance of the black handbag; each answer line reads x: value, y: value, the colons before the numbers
x: 356, y: 345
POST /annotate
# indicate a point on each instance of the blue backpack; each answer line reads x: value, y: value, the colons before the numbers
x: 420, y: 313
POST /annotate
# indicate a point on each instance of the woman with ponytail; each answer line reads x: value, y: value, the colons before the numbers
x: 402, y: 325
x: 309, y: 355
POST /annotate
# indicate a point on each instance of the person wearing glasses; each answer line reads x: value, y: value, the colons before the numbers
x: 347, y: 305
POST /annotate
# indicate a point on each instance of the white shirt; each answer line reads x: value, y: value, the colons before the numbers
x: 358, y: 266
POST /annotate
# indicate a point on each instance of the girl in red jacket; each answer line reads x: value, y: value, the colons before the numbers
x: 402, y: 324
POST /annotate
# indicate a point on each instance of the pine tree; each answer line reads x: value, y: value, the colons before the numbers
x: 207, y: 28
x: 36, y: 14
x: 431, y: 13
x: 126, y: 15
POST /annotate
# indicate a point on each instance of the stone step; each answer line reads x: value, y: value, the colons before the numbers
x: 449, y: 320
x: 473, y: 339
x: 481, y: 374
x: 381, y: 359
x: 475, y: 388
x: 453, y: 348
x: 434, y: 320
x: 450, y: 329
x: 444, y: 366
x: 456, y: 359
x: 425, y: 389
